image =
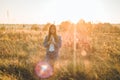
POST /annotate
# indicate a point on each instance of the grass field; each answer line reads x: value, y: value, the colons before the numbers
x: 97, y: 55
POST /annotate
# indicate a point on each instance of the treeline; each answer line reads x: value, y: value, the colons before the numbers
x: 81, y: 26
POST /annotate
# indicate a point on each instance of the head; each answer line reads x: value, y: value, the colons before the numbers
x: 52, y: 31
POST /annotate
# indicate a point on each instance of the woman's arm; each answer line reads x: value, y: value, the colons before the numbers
x: 46, y: 43
x: 59, y: 43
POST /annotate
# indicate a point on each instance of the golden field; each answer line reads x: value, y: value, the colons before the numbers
x: 95, y: 56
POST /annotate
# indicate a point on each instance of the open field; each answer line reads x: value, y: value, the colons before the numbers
x: 97, y: 54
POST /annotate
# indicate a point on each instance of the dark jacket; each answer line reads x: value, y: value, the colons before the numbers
x: 57, y: 45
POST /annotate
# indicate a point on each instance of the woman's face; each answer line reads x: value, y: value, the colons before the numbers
x: 52, y: 30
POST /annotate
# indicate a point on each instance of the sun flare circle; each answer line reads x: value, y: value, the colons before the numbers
x: 43, y: 70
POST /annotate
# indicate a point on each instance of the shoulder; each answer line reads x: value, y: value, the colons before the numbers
x: 46, y: 37
x: 59, y: 37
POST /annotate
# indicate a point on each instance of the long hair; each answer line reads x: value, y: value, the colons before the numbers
x: 55, y: 33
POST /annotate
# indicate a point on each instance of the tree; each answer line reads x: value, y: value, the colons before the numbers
x: 35, y: 27
x: 65, y: 26
x: 81, y: 21
x: 81, y: 26
x: 46, y: 27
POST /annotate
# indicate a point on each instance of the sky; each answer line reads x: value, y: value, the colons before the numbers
x: 56, y: 11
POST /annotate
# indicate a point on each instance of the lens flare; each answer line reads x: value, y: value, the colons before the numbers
x: 43, y: 70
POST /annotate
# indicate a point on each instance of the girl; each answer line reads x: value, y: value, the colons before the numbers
x: 52, y: 43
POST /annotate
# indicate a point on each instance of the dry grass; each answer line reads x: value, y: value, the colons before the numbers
x: 99, y: 59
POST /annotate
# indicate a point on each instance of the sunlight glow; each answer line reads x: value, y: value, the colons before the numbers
x: 43, y: 11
